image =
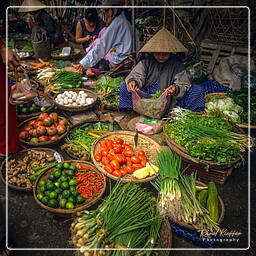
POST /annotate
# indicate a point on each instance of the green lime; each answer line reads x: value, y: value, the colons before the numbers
x: 65, y: 193
x: 50, y: 186
x: 62, y: 203
x: 43, y: 188
x: 63, y: 178
x: 72, y: 188
x: 58, y: 190
x: 34, y: 105
x: 72, y: 199
x: 40, y: 196
x: 51, y: 177
x: 45, y: 200
x: 32, y: 109
x: 57, y: 174
x: 59, y: 166
x: 53, y: 203
x: 70, y: 173
x: 72, y: 167
x: 66, y: 165
x: 53, y: 195
x: 74, y: 193
x: 41, y: 183
x: 24, y: 110
x: 73, y: 182
x: 43, y: 109
x: 80, y: 199
x: 69, y: 205
x: 47, y: 193
x: 57, y: 184
x: 60, y: 196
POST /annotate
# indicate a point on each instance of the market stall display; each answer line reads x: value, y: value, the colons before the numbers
x: 117, y: 156
x: 79, y: 141
x: 24, y: 166
x: 46, y: 129
x: 75, y: 99
x: 69, y: 187
x: 58, y: 55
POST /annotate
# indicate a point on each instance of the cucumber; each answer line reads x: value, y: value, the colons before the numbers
x: 213, y: 202
x: 203, y: 195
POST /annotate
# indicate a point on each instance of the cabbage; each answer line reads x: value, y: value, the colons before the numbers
x: 233, y: 116
x: 212, y: 105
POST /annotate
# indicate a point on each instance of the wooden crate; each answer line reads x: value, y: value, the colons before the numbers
x: 211, y: 53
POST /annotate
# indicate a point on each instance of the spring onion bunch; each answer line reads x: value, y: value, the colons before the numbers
x: 128, y: 218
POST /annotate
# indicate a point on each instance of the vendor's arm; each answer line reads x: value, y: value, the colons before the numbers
x: 100, y: 50
x: 137, y: 76
x: 182, y: 84
x: 79, y: 34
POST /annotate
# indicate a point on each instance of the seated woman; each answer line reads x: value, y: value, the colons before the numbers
x: 88, y: 28
x: 161, y: 70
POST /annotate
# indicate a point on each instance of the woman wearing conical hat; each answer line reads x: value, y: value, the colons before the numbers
x: 38, y: 19
x: 162, y: 70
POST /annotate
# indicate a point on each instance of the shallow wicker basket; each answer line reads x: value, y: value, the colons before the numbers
x: 69, y: 57
x: 144, y: 143
x: 82, y: 108
x: 88, y: 202
x: 221, y: 210
x: 181, y: 151
x: 20, y: 155
x: 46, y: 143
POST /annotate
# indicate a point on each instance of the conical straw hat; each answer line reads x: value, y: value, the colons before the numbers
x: 163, y: 41
x: 29, y: 3
x: 112, y: 3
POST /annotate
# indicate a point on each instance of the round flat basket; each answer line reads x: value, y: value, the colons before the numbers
x: 148, y: 145
x: 20, y: 156
x: 81, y: 108
x: 221, y: 211
x: 216, y: 94
x: 45, y: 143
x: 73, y: 54
x: 181, y: 151
x: 88, y: 202
x: 29, y: 55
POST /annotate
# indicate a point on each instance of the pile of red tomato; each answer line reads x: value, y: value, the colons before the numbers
x: 119, y: 158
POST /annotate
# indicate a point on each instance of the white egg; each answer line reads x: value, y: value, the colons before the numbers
x: 70, y: 100
x: 89, y: 100
x: 61, y: 102
x: 74, y: 104
x: 65, y: 101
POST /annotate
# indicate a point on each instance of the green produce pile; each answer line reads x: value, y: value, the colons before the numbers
x: 241, y: 98
x: 81, y: 138
x: 59, y: 189
x: 28, y: 47
x: 67, y: 79
x: 108, y: 89
x: 29, y: 108
x: 206, y: 137
x: 156, y: 95
x: 11, y: 43
x: 179, y: 199
x: 127, y: 218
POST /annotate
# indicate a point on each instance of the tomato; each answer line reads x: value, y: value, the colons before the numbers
x: 128, y: 153
x: 110, y: 156
x: 43, y: 138
x: 104, y: 152
x: 109, y: 145
x: 143, y: 163
x: 105, y: 160
x: 54, y: 116
x: 117, y: 173
x: 111, y: 151
x: 23, y: 135
x: 98, y: 157
x: 31, y: 123
x: 103, y: 143
x: 115, y: 164
x: 123, y: 171
x: 137, y: 166
x: 63, y: 122
x: 135, y: 159
x: 54, y: 137
x: 129, y: 162
x: 124, y: 145
x: 119, y: 158
x: 42, y: 116
x: 108, y: 168
x: 119, y: 141
x: 141, y: 153
x: 130, y: 169
x: 109, y: 141
x: 143, y: 158
x: 128, y: 147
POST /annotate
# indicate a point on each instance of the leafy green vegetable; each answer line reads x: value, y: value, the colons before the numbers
x: 11, y: 43
x: 67, y: 79
x: 107, y: 84
x: 156, y: 95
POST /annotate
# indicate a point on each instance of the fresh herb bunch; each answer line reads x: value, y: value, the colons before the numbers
x: 67, y: 79
x: 156, y: 95
x: 108, y: 85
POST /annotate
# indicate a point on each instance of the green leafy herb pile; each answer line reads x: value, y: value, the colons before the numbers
x: 67, y: 79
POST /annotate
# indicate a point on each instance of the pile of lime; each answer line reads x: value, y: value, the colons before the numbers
x: 29, y: 108
x: 58, y: 190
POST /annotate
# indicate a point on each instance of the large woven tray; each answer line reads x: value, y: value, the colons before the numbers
x: 88, y: 202
x: 46, y: 143
x: 69, y: 57
x: 76, y: 109
x: 20, y: 155
x: 181, y: 151
x: 144, y: 143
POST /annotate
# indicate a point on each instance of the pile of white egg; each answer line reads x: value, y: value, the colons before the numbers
x: 73, y: 99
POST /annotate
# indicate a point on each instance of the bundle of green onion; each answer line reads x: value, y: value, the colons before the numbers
x: 128, y: 218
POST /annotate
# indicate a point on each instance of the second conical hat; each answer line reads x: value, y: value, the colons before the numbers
x: 163, y: 41
x: 31, y: 5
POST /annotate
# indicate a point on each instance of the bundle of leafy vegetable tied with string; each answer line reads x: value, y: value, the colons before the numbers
x: 128, y: 218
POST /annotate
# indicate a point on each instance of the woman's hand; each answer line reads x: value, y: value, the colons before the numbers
x: 171, y: 89
x: 79, y: 68
x: 132, y: 86
x: 13, y: 58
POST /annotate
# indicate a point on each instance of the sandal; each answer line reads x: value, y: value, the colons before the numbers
x: 3, y: 250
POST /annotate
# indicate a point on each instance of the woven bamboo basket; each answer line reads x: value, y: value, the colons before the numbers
x: 46, y: 143
x: 82, y: 108
x: 221, y: 210
x: 181, y: 151
x: 144, y: 143
x: 88, y: 202
x: 19, y: 156
x: 69, y: 57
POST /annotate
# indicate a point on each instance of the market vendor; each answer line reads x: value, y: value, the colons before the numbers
x: 115, y: 44
x: 88, y: 28
x: 161, y: 70
x: 39, y: 20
